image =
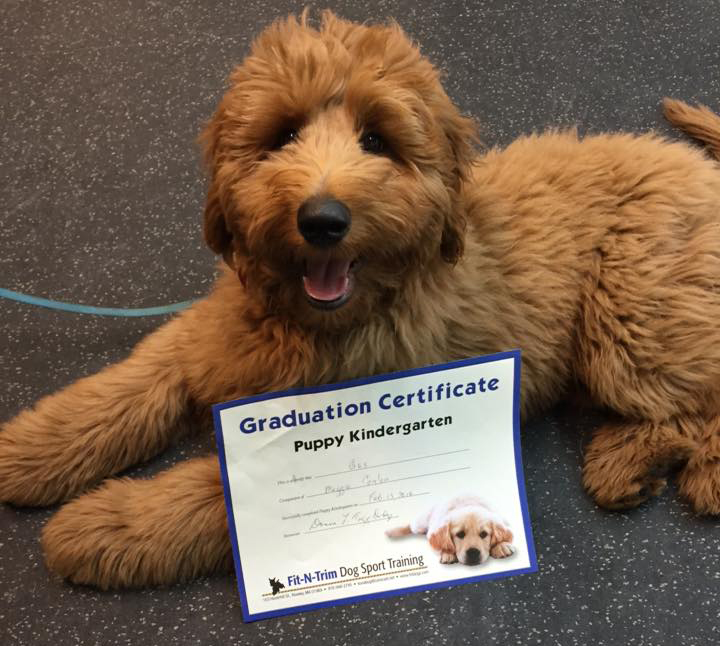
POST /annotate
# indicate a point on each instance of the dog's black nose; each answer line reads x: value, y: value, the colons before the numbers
x: 472, y: 556
x: 323, y: 222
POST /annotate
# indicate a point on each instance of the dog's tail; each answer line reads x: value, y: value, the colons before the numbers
x: 397, y: 532
x: 700, y: 122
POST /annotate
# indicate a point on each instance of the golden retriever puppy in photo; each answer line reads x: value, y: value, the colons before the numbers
x: 363, y: 232
x: 464, y: 529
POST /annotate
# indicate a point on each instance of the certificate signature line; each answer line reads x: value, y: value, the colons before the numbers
x: 384, y: 482
x: 385, y: 464
x: 352, y: 505
x: 364, y: 522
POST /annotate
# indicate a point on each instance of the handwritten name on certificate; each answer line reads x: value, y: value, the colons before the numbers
x: 374, y: 487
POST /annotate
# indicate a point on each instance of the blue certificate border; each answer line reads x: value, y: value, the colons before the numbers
x: 247, y: 615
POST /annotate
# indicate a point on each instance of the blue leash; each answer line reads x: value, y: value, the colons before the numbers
x: 89, y: 309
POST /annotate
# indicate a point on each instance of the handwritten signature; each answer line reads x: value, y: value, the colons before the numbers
x: 353, y: 518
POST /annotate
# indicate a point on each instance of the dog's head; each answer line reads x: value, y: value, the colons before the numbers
x: 470, y: 535
x: 336, y: 160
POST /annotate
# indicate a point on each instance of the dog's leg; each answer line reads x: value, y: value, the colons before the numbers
x: 502, y: 550
x: 130, y: 533
x: 448, y: 557
x: 94, y: 427
x: 700, y: 478
x: 626, y: 463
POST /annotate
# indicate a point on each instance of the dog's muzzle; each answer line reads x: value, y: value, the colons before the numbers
x: 472, y: 556
x: 327, y: 280
x: 323, y: 222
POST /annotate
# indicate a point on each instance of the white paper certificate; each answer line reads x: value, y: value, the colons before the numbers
x: 375, y: 487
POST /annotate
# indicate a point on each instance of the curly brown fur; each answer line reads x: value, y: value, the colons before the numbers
x: 699, y: 122
x: 598, y: 257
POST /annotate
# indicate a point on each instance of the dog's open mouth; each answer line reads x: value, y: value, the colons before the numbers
x: 328, y: 282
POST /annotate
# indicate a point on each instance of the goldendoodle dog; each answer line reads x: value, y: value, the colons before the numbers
x: 363, y: 233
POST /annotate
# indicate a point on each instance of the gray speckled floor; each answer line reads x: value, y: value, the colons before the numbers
x: 101, y: 193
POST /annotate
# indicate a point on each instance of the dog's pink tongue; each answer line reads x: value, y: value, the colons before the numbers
x: 326, y: 280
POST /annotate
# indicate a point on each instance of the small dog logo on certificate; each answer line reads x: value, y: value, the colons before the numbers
x: 276, y: 586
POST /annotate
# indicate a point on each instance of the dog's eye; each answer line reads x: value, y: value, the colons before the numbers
x: 460, y: 534
x: 373, y: 143
x: 284, y: 138
x: 483, y: 534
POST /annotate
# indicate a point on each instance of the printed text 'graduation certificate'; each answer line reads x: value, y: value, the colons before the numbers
x: 374, y: 487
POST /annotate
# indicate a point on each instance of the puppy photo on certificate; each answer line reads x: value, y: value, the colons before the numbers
x: 465, y: 529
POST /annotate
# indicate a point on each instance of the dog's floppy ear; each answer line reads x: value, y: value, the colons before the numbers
x: 462, y: 136
x: 452, y: 243
x: 215, y: 231
x: 441, y: 539
x: 500, y: 534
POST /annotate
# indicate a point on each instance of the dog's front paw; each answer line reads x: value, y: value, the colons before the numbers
x: 700, y: 484
x: 448, y: 557
x: 627, y: 463
x: 130, y: 533
x: 626, y: 495
x: 619, y: 479
x: 93, y: 540
x: 113, y: 537
x: 27, y: 464
x: 502, y: 550
x: 619, y: 488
